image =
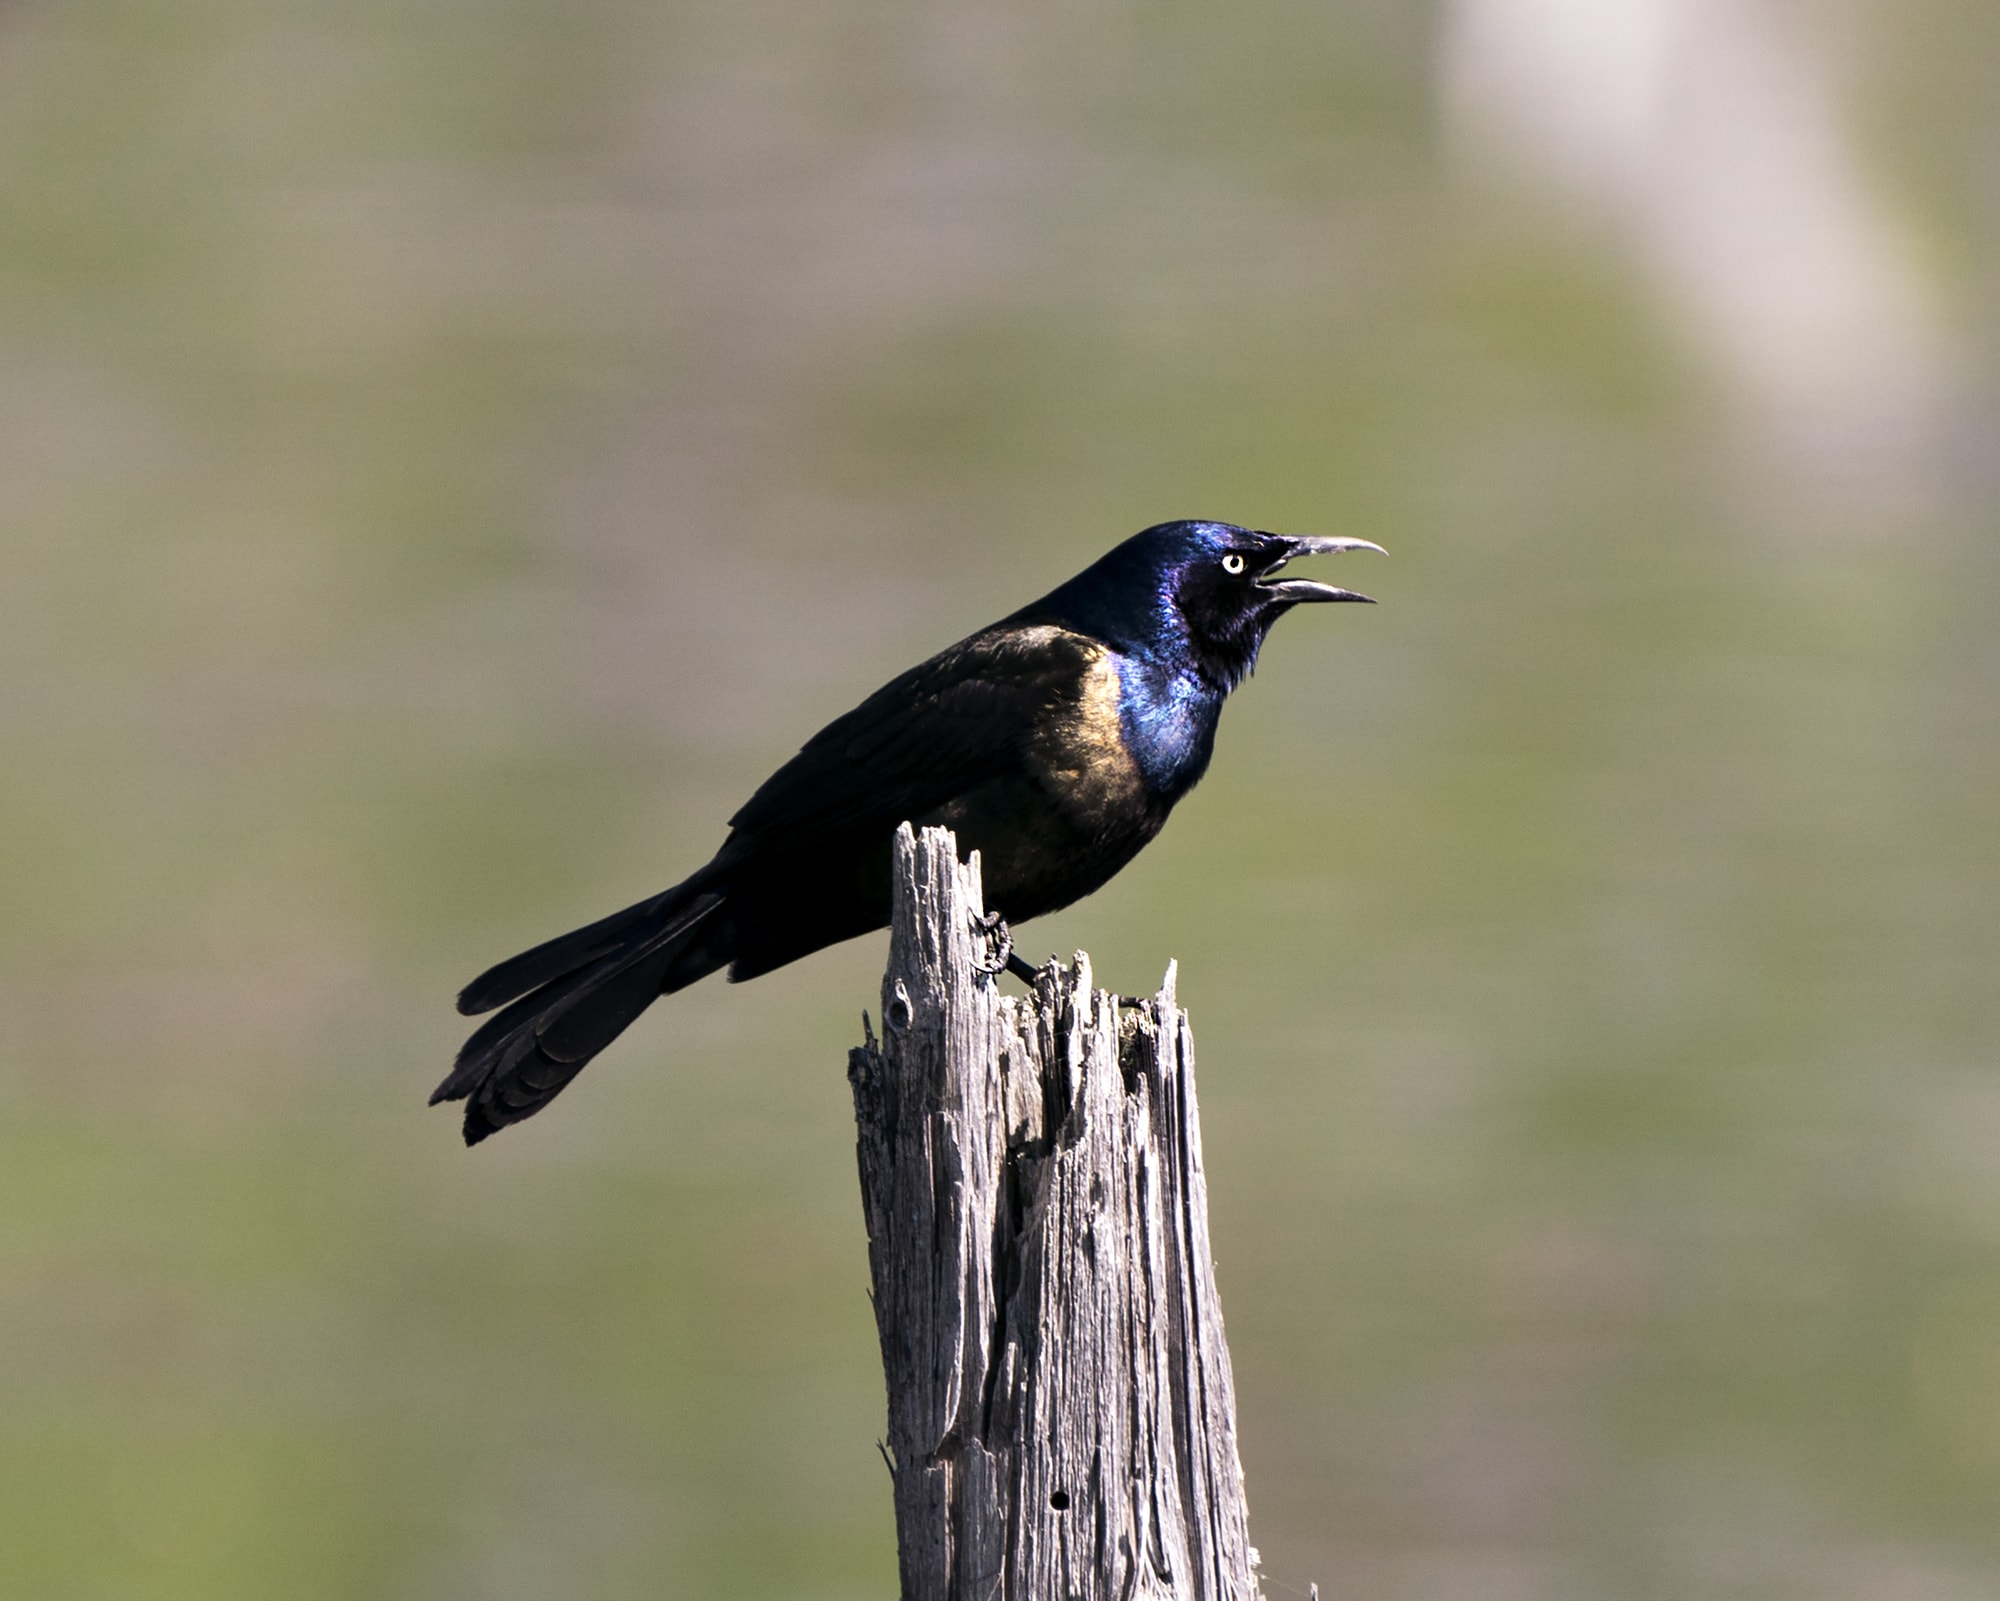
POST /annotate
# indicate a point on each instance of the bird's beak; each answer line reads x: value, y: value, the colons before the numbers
x: 1297, y: 590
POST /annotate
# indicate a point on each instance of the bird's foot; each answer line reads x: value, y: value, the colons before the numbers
x: 995, y: 928
x: 1003, y: 958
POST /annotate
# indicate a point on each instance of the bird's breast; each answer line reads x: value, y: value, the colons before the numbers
x: 1082, y: 752
x: 1126, y: 748
x: 1076, y: 811
x: 1088, y: 795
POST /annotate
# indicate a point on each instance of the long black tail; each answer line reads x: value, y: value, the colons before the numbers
x: 572, y: 997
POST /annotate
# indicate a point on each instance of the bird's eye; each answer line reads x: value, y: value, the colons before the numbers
x: 1232, y: 564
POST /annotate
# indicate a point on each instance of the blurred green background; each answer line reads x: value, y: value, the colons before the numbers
x: 449, y: 453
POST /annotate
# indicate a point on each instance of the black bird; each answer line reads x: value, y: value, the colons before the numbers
x: 1054, y: 742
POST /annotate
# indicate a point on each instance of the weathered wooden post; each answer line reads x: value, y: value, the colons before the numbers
x: 1062, y: 1424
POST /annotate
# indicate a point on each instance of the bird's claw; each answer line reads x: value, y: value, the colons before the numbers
x: 994, y: 927
x: 1005, y: 958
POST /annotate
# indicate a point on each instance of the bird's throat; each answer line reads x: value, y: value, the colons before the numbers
x: 1167, y: 717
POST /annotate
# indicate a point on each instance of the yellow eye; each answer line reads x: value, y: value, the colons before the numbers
x: 1232, y: 564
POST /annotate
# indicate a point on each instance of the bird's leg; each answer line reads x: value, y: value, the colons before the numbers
x: 1022, y: 968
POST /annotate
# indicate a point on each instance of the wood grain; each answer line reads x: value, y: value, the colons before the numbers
x: 1061, y: 1415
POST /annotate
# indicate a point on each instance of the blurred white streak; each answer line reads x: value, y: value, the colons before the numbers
x: 1709, y: 132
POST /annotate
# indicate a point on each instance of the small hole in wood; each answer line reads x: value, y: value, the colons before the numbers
x: 897, y: 1013
x: 1059, y: 1499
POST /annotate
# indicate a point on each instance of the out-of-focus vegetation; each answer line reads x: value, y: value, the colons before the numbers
x: 449, y: 454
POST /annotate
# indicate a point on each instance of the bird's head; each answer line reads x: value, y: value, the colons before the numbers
x: 1209, y: 590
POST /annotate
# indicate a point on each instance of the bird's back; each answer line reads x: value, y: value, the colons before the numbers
x: 1014, y: 738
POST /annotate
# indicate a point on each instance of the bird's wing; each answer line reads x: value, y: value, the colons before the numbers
x: 955, y: 721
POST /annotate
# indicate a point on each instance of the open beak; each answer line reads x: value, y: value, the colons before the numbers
x: 1299, y: 590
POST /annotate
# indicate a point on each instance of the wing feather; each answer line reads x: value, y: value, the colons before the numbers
x: 945, y: 726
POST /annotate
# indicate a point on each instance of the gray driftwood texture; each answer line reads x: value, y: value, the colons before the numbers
x: 1062, y: 1425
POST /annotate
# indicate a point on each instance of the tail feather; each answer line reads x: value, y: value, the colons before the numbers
x: 484, y: 1051
x: 583, y: 990
x: 578, y: 1032
x: 564, y: 954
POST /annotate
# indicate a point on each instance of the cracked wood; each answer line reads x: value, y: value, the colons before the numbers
x: 1061, y: 1414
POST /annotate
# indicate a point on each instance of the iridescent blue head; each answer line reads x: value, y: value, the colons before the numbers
x: 1200, y: 595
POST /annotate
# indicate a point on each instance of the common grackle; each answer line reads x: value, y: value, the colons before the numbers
x: 1054, y: 742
